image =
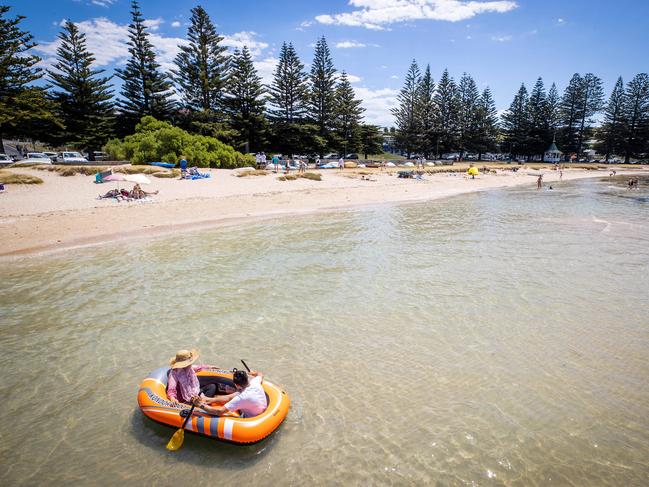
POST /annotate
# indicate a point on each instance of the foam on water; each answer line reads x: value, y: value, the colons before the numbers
x: 499, y: 338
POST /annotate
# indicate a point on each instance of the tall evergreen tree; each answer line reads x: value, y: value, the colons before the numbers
x: 612, y: 130
x: 288, y: 92
x: 540, y: 134
x: 425, y: 114
x: 469, y: 99
x: 487, y: 124
x: 447, y: 119
x: 83, y: 95
x: 146, y: 90
x: 322, y: 96
x: 22, y: 105
x: 570, y: 113
x: 516, y: 124
x: 348, y: 113
x: 371, y: 139
x: 405, y: 113
x: 590, y: 104
x: 636, y: 116
x: 201, y: 65
x: 288, y: 104
x: 552, y: 107
x: 245, y: 101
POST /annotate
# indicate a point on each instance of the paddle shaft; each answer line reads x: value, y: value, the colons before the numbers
x: 189, y: 415
x: 245, y: 365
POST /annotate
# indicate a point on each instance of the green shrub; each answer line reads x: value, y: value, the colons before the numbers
x: 312, y: 175
x: 154, y: 140
x: 7, y: 177
x: 251, y: 172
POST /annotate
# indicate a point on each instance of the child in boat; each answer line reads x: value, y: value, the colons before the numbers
x: 183, y: 385
x: 249, y: 399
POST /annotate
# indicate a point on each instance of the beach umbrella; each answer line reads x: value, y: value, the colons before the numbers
x: 473, y: 171
x: 114, y: 177
x: 137, y: 178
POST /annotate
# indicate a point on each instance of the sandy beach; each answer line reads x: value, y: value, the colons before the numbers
x: 65, y: 212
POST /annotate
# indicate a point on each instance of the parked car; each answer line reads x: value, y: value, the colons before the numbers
x: 5, y: 160
x: 100, y: 156
x: 331, y: 156
x: 70, y: 158
x: 35, y: 158
x: 51, y: 155
x: 351, y: 156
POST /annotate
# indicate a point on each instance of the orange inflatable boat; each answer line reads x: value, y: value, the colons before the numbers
x: 154, y: 403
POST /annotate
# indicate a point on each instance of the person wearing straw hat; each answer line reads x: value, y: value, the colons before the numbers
x: 183, y: 385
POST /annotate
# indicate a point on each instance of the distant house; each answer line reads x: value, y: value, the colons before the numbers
x: 552, y: 154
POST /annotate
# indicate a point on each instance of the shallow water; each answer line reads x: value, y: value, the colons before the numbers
x: 499, y: 338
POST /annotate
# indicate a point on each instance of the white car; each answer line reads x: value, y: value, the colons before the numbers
x: 51, y: 155
x: 70, y: 158
x: 5, y: 160
x: 35, y: 158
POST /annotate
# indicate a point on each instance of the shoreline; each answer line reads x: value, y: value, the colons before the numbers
x: 222, y: 200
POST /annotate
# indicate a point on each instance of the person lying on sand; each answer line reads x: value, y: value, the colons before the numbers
x: 249, y: 398
x: 183, y: 385
x: 137, y: 193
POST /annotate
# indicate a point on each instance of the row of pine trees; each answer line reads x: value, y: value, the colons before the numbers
x: 209, y: 92
x: 212, y: 92
x: 451, y: 116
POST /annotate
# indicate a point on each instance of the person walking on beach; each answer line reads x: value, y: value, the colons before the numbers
x: 539, y: 182
x: 341, y: 163
x: 276, y: 162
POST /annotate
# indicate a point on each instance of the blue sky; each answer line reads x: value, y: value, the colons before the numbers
x: 500, y: 42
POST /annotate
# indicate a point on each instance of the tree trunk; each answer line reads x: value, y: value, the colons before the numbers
x: 2, y: 145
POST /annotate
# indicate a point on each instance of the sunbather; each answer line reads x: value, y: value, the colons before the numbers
x: 137, y: 193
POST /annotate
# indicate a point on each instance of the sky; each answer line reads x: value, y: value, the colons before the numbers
x: 501, y: 43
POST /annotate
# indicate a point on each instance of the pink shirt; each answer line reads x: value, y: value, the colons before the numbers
x: 183, y: 383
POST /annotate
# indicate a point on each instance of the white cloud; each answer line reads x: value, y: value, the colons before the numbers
x: 506, y: 38
x: 394, y: 76
x: 175, y: 23
x: 377, y: 104
x: 349, y: 44
x: 266, y: 69
x: 245, y: 38
x: 107, y: 40
x: 103, y: 3
x: 376, y: 14
x: 353, y: 78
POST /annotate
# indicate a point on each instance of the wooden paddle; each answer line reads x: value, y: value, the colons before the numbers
x: 178, y: 438
x: 244, y: 364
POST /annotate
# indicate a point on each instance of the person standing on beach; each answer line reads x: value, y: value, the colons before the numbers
x: 341, y: 163
x: 539, y: 182
x: 276, y: 162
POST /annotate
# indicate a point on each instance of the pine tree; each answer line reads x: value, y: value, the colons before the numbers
x: 425, y: 114
x: 552, y: 107
x: 591, y: 103
x: 487, y: 124
x: 570, y: 113
x: 201, y: 65
x: 636, y: 116
x: 371, y: 139
x: 288, y: 92
x: 469, y: 99
x: 405, y: 112
x: 447, y: 119
x: 288, y: 100
x: 83, y: 95
x: 348, y: 113
x: 22, y: 105
x: 612, y: 130
x: 516, y: 123
x: 322, y: 94
x: 146, y: 91
x: 540, y: 134
x: 245, y: 101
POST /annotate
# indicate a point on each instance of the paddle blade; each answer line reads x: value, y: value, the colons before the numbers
x: 176, y: 440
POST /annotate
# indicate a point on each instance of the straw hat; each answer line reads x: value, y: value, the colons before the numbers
x: 183, y: 358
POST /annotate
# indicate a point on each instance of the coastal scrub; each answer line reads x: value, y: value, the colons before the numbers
x: 7, y: 177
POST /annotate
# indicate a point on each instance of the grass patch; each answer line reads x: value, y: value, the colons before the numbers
x: 174, y: 173
x: 139, y: 169
x: 7, y: 177
x: 307, y: 175
x: 253, y: 172
x: 313, y: 176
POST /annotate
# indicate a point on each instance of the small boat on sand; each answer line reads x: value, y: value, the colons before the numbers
x: 154, y: 403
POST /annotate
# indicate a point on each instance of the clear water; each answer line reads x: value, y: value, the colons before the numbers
x: 500, y: 338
